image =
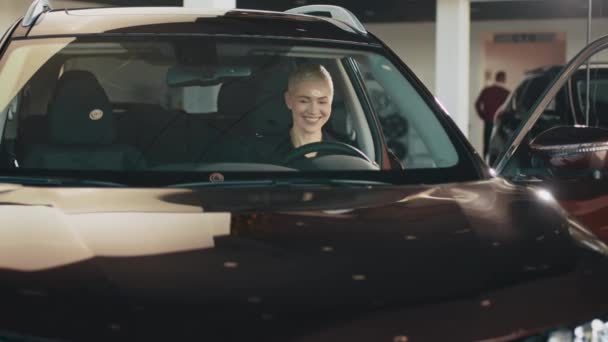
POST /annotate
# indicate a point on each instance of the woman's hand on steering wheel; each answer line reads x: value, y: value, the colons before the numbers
x: 325, y: 146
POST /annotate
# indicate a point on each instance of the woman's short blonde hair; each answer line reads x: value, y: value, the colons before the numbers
x: 309, y: 71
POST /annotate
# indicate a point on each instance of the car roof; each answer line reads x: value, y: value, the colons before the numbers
x: 180, y: 20
x: 556, y: 68
x: 548, y: 69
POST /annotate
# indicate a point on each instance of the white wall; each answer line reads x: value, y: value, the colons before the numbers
x: 516, y: 59
x: 11, y: 10
x: 415, y: 44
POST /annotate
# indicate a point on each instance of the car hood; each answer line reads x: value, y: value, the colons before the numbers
x: 303, y: 256
x: 84, y: 223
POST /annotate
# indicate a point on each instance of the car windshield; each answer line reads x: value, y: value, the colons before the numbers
x: 209, y: 104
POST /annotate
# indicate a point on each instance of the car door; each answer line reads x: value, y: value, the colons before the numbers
x: 569, y: 160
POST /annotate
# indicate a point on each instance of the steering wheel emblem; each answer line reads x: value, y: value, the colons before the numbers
x: 216, y: 177
x: 96, y: 114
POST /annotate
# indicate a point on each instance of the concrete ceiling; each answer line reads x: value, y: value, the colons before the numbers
x: 419, y: 10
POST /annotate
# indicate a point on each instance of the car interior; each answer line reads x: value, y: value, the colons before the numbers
x: 159, y: 128
x: 176, y: 105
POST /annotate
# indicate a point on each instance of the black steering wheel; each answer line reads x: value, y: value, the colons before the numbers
x: 325, y: 146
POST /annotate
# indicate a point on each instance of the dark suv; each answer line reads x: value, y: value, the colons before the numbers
x: 567, y: 108
x: 225, y: 175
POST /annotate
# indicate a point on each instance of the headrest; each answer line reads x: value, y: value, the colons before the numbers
x: 273, y: 116
x: 340, y: 123
x: 260, y: 97
x: 80, y: 111
x: 237, y: 97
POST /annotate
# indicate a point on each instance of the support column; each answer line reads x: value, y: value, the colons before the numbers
x: 210, y: 3
x: 452, y: 59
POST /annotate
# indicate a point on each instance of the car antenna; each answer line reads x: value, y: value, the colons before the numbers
x: 37, y: 8
x: 331, y: 11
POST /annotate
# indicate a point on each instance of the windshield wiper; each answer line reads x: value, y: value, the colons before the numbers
x: 294, y: 182
x: 57, y: 181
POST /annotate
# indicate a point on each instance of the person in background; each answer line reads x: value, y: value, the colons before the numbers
x: 488, y: 102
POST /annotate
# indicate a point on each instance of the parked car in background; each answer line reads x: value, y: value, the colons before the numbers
x: 515, y: 109
x: 151, y: 189
x: 568, y: 108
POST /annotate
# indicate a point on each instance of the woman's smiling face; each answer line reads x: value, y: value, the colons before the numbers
x: 310, y: 104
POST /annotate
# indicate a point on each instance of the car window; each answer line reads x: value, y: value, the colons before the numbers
x: 598, y: 95
x: 517, y: 95
x: 200, y: 104
x: 401, y: 127
x: 533, y: 90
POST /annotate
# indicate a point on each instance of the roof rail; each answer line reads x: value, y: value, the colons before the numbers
x: 334, y: 12
x: 36, y: 9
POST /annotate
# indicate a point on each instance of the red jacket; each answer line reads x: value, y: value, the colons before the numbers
x: 489, y: 100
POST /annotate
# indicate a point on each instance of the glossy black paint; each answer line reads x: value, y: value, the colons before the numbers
x: 399, y: 259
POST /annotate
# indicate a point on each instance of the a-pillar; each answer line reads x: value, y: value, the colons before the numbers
x: 452, y: 59
x: 220, y: 4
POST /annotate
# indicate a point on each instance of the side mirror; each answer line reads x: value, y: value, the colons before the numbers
x: 571, y: 152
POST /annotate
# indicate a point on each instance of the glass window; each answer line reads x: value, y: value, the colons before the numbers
x: 533, y: 91
x: 410, y: 130
x: 598, y: 95
x: 207, y: 104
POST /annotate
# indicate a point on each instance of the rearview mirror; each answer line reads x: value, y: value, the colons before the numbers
x: 568, y: 152
x: 187, y: 76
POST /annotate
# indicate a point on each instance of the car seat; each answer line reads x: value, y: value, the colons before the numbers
x: 81, y: 130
